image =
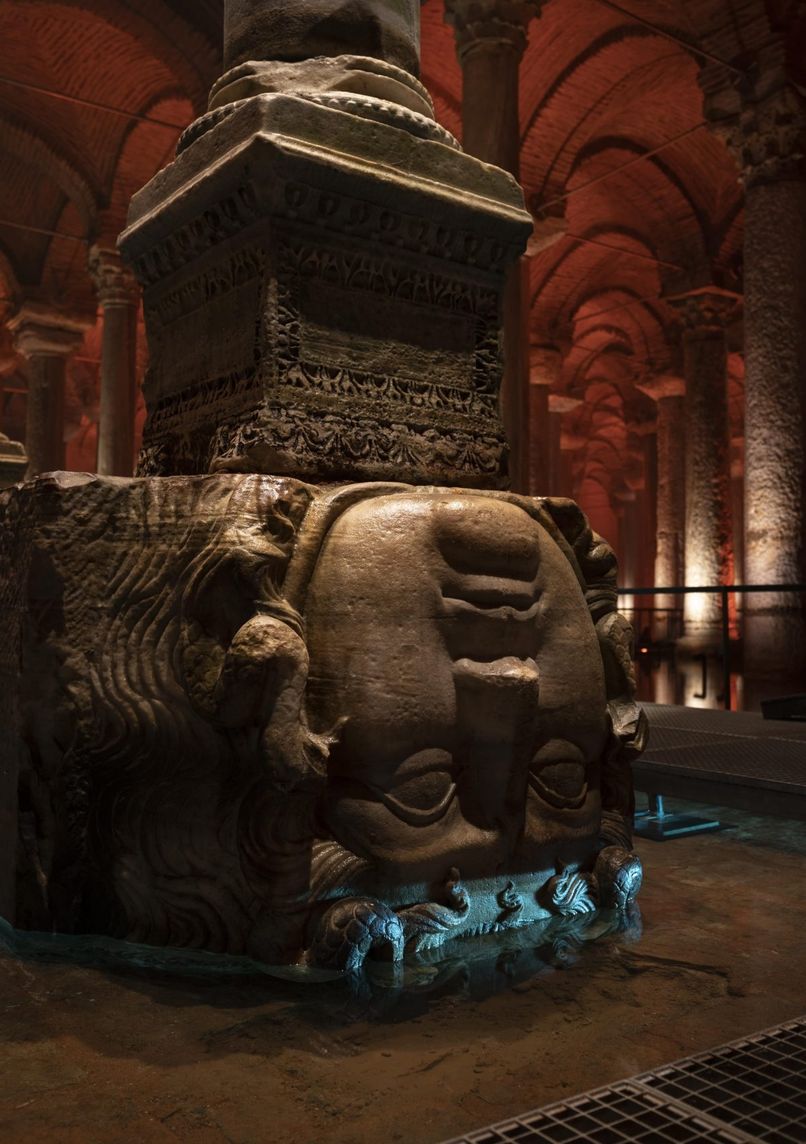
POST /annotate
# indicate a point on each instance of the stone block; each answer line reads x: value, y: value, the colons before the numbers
x: 244, y: 713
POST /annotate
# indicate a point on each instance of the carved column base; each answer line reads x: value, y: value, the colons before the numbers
x: 323, y: 299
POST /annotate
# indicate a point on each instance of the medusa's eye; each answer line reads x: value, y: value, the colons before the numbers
x: 558, y: 774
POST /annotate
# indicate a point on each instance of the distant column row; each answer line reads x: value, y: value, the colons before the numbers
x: 47, y: 336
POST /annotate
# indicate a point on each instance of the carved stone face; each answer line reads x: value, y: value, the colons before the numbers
x: 451, y: 632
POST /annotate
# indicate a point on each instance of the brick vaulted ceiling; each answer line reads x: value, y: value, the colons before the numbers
x: 93, y: 94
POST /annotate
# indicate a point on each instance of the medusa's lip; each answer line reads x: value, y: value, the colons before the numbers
x: 559, y: 774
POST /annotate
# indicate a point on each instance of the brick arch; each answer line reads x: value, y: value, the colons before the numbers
x: 144, y: 150
x: 619, y: 315
x: 24, y: 143
x: 673, y: 224
x: 166, y: 34
x: 567, y: 276
x: 584, y: 95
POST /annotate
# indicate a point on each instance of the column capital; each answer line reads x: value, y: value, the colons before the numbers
x: 663, y: 385
x: 708, y: 308
x: 762, y: 117
x: 478, y: 24
x: 768, y: 138
x: 114, y: 283
x: 44, y: 331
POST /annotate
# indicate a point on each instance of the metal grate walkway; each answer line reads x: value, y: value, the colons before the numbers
x: 725, y: 758
x: 747, y: 1091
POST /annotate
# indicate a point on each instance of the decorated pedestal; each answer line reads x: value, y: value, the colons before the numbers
x: 314, y: 686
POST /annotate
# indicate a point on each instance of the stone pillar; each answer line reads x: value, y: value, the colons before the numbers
x: 669, y: 394
x: 545, y: 365
x: 705, y: 313
x: 296, y: 30
x: 767, y: 134
x: 46, y: 338
x: 119, y: 297
x: 490, y: 42
x: 560, y: 466
x: 360, y: 56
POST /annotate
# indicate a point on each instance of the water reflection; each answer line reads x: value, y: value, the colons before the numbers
x: 468, y: 968
x: 685, y: 679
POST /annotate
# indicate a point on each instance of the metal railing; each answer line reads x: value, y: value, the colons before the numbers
x: 724, y: 591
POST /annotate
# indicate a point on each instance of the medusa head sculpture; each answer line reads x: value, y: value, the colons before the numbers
x: 313, y: 725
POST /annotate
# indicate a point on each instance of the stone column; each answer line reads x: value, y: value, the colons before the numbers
x: 561, y: 454
x: 545, y: 365
x: 490, y: 42
x: 119, y: 297
x: 669, y: 394
x: 766, y: 132
x: 705, y: 313
x: 302, y: 29
x: 46, y: 338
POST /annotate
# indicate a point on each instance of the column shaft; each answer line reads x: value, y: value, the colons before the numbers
x: 708, y: 555
x: 491, y: 38
x: 301, y: 29
x: 118, y: 391
x: 545, y: 367
x: 539, y: 441
x: 763, y: 122
x: 119, y: 298
x: 775, y: 429
x: 490, y: 113
x: 671, y: 498
x: 44, y: 422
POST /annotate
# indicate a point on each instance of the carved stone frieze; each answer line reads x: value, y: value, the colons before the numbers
x: 360, y: 327
x: 209, y: 776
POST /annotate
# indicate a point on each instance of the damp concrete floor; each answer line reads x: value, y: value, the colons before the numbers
x: 124, y: 1054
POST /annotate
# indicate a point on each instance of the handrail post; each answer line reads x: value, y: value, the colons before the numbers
x: 725, y: 646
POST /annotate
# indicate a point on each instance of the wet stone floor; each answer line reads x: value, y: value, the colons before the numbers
x: 101, y: 1043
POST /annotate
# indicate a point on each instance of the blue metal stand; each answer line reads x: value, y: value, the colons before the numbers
x: 658, y: 825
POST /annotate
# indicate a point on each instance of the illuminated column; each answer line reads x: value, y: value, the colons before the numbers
x: 545, y: 365
x: 647, y: 505
x: 119, y: 296
x: 46, y: 338
x: 765, y: 129
x: 669, y: 394
x: 705, y: 314
x: 737, y: 509
x: 491, y: 37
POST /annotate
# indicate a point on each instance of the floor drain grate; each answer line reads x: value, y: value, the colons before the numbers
x: 750, y: 1090
x: 757, y: 1085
